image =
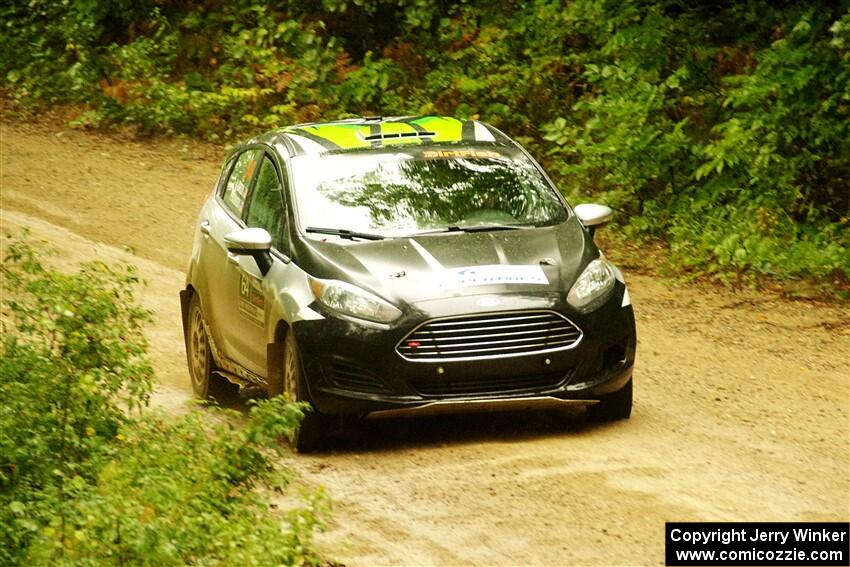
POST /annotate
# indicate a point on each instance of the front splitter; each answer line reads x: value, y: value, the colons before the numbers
x: 442, y: 407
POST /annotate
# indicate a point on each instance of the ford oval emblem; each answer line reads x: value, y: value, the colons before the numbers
x: 488, y: 302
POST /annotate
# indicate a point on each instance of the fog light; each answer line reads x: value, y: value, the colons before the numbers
x: 440, y: 370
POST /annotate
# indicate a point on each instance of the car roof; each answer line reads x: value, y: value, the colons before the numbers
x: 374, y: 132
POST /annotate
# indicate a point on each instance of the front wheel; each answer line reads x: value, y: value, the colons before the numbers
x: 615, y: 406
x: 312, y: 432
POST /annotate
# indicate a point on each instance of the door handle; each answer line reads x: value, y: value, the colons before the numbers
x: 205, y: 227
x: 233, y: 258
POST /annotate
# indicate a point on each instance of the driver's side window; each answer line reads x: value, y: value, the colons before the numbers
x: 265, y: 208
x: 239, y: 181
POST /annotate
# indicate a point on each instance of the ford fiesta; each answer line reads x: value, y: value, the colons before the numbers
x: 380, y: 266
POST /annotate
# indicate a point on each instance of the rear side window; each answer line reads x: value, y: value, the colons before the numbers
x: 266, y: 207
x: 240, y: 180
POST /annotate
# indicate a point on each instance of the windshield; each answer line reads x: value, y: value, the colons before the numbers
x: 403, y: 192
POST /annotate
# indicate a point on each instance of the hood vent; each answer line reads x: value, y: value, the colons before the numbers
x: 398, y: 135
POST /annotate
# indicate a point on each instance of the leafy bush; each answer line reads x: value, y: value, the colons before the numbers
x: 722, y: 129
x: 85, y: 478
x: 725, y: 134
x: 187, y: 492
x: 72, y: 362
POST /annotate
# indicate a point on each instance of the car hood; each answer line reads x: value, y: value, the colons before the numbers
x: 455, y: 264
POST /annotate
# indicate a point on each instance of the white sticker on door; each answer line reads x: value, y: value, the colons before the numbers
x: 251, y: 300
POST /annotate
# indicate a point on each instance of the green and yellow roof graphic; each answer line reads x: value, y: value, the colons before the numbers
x: 369, y: 133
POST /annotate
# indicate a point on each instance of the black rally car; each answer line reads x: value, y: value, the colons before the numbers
x: 376, y: 266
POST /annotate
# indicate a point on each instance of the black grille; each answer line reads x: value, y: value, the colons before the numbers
x: 347, y: 376
x: 489, y: 335
x: 440, y: 386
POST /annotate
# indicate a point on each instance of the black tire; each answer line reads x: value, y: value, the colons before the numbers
x: 614, y: 406
x: 206, y: 384
x: 312, y: 433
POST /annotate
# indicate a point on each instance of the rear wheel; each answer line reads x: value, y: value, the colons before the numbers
x: 312, y: 433
x: 206, y: 384
x: 615, y: 406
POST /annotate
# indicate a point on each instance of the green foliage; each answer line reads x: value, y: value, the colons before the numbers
x: 727, y: 135
x: 722, y: 129
x: 72, y: 361
x: 188, y: 492
x: 86, y: 479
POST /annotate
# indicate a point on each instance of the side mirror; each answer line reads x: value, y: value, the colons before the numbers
x: 255, y: 242
x: 593, y: 216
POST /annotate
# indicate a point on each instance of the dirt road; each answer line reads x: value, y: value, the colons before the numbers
x: 741, y: 408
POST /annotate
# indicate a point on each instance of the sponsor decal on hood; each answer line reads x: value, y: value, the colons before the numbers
x: 498, y: 274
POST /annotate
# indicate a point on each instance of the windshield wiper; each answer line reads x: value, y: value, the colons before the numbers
x: 475, y: 228
x: 344, y: 233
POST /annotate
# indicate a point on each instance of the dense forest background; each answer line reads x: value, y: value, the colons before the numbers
x: 720, y: 128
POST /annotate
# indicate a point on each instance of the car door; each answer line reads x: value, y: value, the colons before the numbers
x: 221, y: 274
x: 265, y: 209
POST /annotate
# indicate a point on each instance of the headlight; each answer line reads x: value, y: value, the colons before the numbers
x: 351, y: 300
x: 595, y: 281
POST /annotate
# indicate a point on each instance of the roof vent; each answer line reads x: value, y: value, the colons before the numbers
x: 397, y: 135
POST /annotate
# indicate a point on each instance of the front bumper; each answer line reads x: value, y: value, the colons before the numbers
x: 354, y: 369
